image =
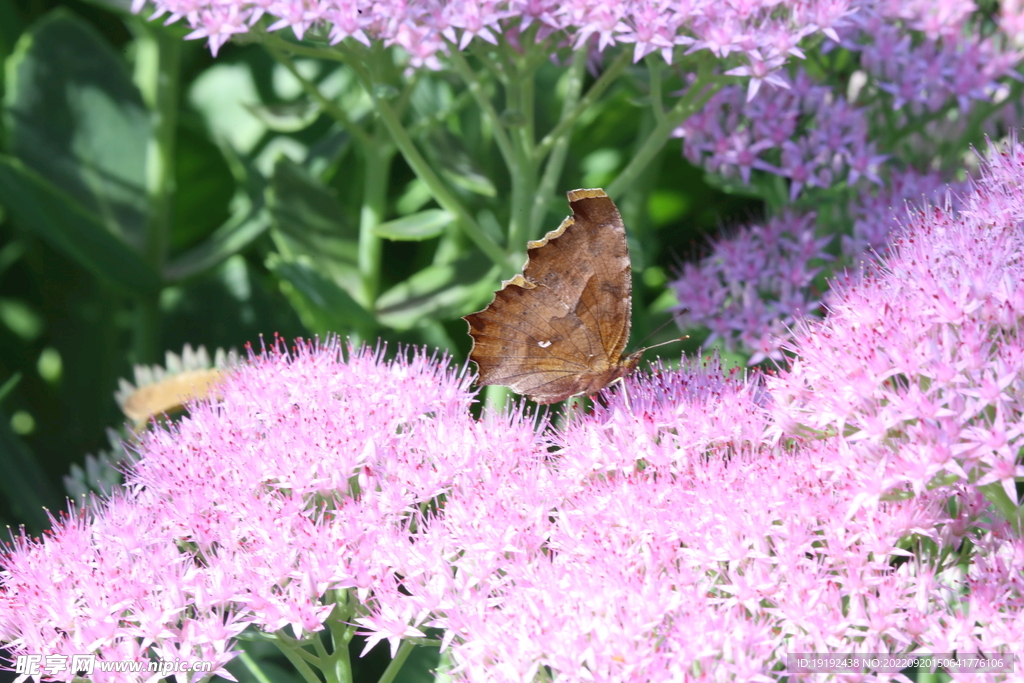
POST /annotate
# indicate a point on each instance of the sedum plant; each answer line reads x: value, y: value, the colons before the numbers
x: 860, y: 495
x: 695, y: 525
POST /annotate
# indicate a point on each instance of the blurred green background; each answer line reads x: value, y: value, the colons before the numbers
x: 152, y: 196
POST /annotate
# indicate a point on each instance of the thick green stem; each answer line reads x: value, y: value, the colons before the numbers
x: 496, y: 397
x: 516, y: 150
x: 655, y: 69
x: 157, y: 76
x: 523, y: 168
x: 375, y: 192
x: 390, y: 673
x: 305, y: 663
x: 524, y: 183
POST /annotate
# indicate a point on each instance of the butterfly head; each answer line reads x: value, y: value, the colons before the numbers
x: 629, y: 363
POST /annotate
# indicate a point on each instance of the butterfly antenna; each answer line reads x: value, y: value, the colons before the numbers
x: 663, y: 326
x: 670, y: 341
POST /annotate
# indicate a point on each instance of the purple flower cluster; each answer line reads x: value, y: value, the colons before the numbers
x: 693, y: 527
x: 757, y: 281
x: 754, y: 284
x: 806, y: 133
x: 955, y: 59
x: 766, y: 32
x: 818, y: 140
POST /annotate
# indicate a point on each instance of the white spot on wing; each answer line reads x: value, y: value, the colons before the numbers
x: 544, y: 344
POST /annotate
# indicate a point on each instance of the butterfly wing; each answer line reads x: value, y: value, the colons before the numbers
x: 550, y: 332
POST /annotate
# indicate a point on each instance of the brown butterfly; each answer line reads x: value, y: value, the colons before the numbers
x: 559, y: 329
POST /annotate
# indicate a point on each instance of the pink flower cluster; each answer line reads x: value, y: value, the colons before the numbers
x: 693, y: 527
x: 922, y: 355
x: 807, y: 133
x: 878, y: 215
x: 766, y: 32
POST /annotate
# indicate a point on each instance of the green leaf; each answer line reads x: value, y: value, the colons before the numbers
x: 24, y: 483
x: 431, y: 95
x: 326, y: 154
x: 415, y: 227
x: 73, y: 230
x: 323, y: 306
x: 450, y: 155
x: 11, y: 27
x: 421, y: 666
x: 302, y: 205
x: 9, y: 385
x: 221, y: 94
x: 309, y: 221
x: 415, y: 195
x: 204, y: 189
x: 996, y: 494
x: 440, y: 292
x: 248, y: 223
x: 76, y: 118
x: 121, y: 7
x: 249, y: 219
x: 286, y: 118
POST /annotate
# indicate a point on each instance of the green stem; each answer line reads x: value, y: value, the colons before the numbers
x: 496, y: 398
x: 655, y: 69
x: 559, y: 151
x: 476, y: 88
x: 400, y: 136
x: 440, y: 191
x: 375, y: 191
x: 157, y: 74
x: 973, y: 132
x: 497, y: 68
x: 299, y: 658
x: 528, y: 105
x: 523, y: 193
x: 607, y: 78
x: 515, y: 150
x: 405, y: 97
x: 332, y: 109
x: 404, y: 650
x: 523, y: 168
x: 254, y: 668
x: 696, y: 96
